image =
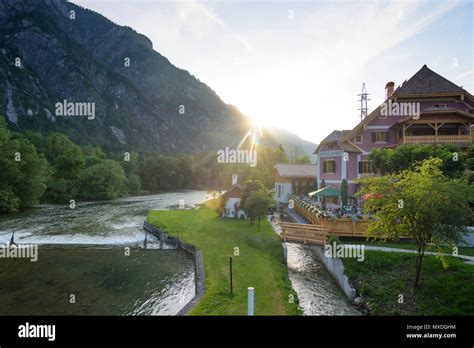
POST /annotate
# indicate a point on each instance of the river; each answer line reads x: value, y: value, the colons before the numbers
x: 83, y: 267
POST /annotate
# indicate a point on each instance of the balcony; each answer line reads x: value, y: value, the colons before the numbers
x: 436, y: 139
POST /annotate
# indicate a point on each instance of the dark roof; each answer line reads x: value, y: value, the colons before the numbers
x: 335, y: 136
x: 232, y: 189
x: 427, y: 81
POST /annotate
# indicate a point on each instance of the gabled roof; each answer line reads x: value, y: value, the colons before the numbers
x: 335, y: 136
x: 233, y: 188
x: 338, y: 137
x: 427, y: 81
x: 296, y: 170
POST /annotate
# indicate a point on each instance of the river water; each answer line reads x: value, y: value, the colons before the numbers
x: 84, y: 267
x: 318, y: 293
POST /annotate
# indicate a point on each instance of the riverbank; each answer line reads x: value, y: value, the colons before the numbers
x: 258, y: 263
x: 383, y: 276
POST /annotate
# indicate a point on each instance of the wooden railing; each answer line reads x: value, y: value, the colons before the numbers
x: 429, y: 139
x: 306, y: 233
x: 343, y: 227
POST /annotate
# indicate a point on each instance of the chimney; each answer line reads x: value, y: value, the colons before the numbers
x: 389, y: 88
x: 234, y: 179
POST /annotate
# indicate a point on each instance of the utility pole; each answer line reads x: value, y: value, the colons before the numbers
x: 363, y: 102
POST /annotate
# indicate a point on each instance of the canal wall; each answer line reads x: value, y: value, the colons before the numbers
x: 335, y: 267
x: 189, y: 248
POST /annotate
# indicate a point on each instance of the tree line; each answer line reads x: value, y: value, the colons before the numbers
x: 53, y: 169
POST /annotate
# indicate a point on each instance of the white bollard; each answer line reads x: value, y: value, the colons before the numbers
x: 250, y: 301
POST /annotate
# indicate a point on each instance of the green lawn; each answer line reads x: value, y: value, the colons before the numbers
x: 384, y: 275
x: 259, y: 264
x: 468, y: 251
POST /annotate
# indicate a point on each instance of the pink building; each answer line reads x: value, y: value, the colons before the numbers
x: 426, y: 109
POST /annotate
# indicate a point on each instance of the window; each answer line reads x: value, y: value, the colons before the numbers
x: 365, y: 167
x: 380, y: 137
x: 358, y: 139
x: 329, y: 166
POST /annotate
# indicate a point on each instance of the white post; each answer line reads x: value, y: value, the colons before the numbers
x: 250, y: 301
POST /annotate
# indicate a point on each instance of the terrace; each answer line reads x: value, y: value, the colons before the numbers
x: 437, y: 129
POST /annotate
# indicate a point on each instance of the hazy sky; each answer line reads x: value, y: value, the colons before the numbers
x: 299, y: 65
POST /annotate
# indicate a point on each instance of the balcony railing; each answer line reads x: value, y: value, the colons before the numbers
x: 429, y: 139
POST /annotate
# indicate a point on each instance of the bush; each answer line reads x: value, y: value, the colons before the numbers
x: 333, y: 239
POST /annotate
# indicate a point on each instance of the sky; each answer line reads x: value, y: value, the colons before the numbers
x: 299, y: 65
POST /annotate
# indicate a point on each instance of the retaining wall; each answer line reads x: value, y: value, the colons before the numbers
x: 198, y: 262
x: 335, y: 266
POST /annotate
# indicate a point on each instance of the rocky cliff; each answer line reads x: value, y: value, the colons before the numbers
x: 54, y: 53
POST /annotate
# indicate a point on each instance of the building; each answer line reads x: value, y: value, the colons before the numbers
x: 426, y: 109
x: 232, y: 198
x: 293, y: 179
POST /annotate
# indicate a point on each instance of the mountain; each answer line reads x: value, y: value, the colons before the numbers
x: 293, y: 145
x: 54, y: 54
x: 49, y: 59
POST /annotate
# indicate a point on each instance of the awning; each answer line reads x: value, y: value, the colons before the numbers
x: 327, y: 191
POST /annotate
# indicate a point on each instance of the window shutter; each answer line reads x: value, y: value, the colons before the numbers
x: 334, y: 166
x: 373, y: 137
x: 360, y: 167
x: 387, y: 137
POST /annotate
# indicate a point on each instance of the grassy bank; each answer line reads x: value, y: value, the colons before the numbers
x: 468, y: 251
x: 384, y: 275
x: 259, y: 264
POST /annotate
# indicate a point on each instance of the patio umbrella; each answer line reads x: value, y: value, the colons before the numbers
x: 327, y: 191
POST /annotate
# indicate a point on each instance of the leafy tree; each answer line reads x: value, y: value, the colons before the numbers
x: 250, y: 186
x: 23, y: 172
x: 257, y: 205
x: 93, y: 155
x: 67, y: 162
x: 391, y: 161
x: 421, y: 203
x: 8, y: 201
x: 133, y: 183
x: 470, y: 156
x: 65, y: 157
x: 105, y: 180
x: 280, y: 155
